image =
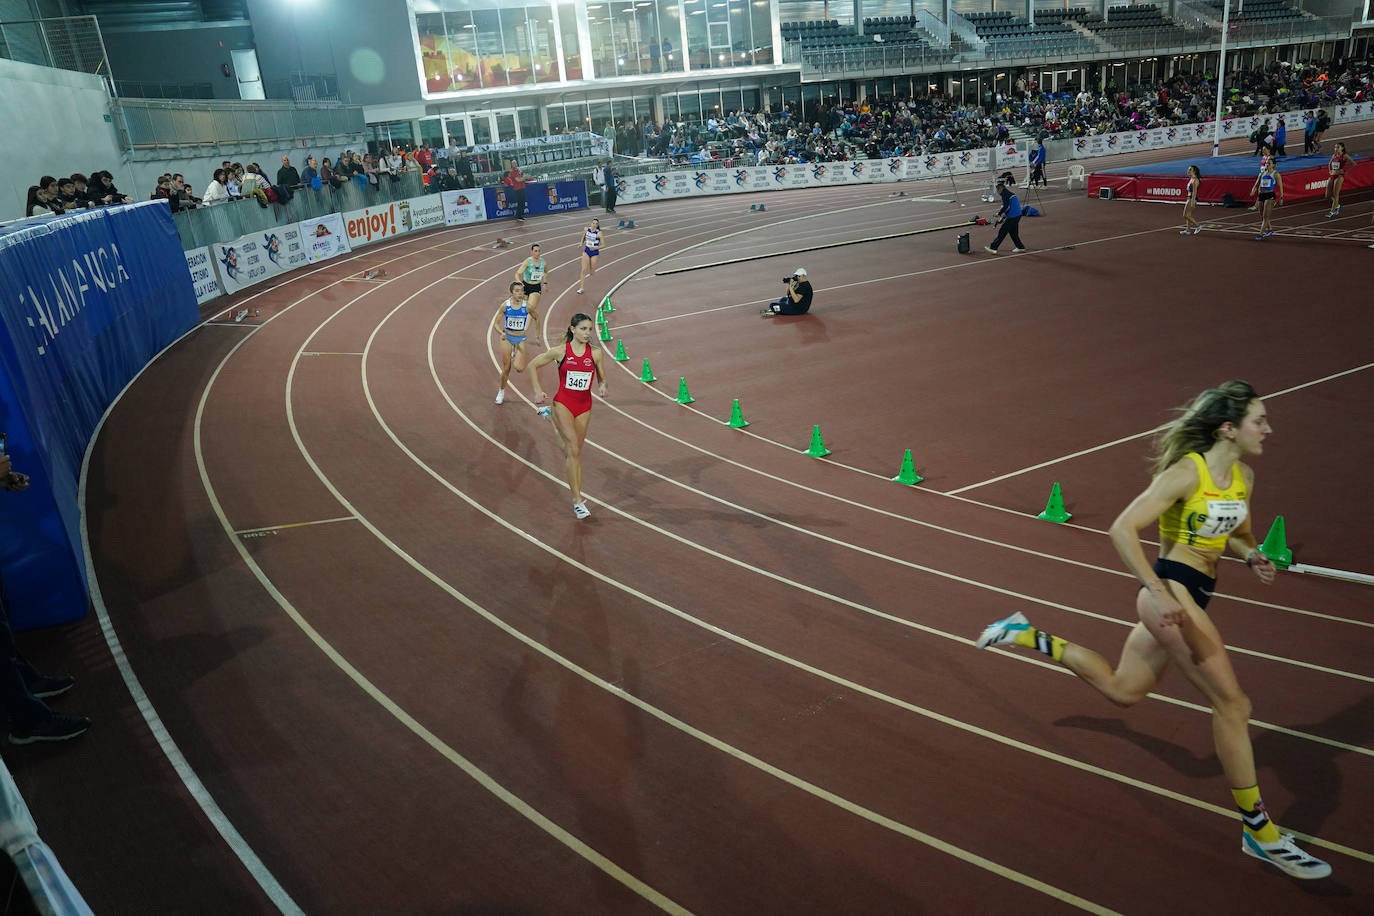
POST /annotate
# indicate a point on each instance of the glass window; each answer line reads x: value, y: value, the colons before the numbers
x: 670, y: 34
x: 670, y: 110
x: 644, y: 108
x: 689, y: 106
x: 558, y: 122
x: 761, y: 23
x: 515, y: 49
x: 529, y: 122
x: 698, y: 49
x: 572, y: 52
x: 751, y: 100
x: 543, y: 50
x: 599, y: 115
x: 491, y: 58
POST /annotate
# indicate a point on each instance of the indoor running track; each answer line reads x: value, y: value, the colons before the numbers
x: 396, y: 675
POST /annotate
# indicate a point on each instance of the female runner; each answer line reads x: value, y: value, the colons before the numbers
x: 578, y: 361
x: 591, y: 247
x: 531, y: 276
x: 1340, y: 164
x: 1200, y: 497
x: 1268, y: 184
x: 1190, y: 222
x: 513, y: 322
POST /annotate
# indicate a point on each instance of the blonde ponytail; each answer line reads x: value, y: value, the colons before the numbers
x: 1196, y: 428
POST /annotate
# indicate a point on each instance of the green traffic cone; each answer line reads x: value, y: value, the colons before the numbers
x: 1275, y: 545
x: 600, y: 314
x: 737, y: 420
x: 606, y: 305
x: 683, y: 395
x: 1054, y: 508
x: 620, y: 356
x: 907, y: 474
x: 606, y: 331
x: 648, y: 374
x: 817, y: 449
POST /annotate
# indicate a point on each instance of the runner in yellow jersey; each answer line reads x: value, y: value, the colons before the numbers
x: 1200, y: 497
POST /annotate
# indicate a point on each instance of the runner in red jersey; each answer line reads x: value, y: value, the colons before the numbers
x: 578, y: 363
x: 1339, y: 165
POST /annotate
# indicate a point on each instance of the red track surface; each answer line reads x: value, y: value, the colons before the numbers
x: 745, y: 685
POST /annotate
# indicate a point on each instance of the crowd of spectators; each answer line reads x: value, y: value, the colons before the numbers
x: 935, y: 123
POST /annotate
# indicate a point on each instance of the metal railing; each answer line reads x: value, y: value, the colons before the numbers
x: 222, y: 222
x: 135, y: 89
x: 68, y: 43
x: 156, y: 124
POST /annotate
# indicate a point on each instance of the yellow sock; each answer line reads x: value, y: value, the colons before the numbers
x: 1255, y: 815
x: 1037, y: 639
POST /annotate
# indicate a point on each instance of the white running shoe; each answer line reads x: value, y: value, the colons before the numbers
x: 1186, y: 232
x: 1003, y: 631
x: 544, y: 412
x: 581, y: 511
x: 579, y: 289
x: 1285, y: 856
x: 1020, y: 250
x: 500, y: 395
x: 989, y: 249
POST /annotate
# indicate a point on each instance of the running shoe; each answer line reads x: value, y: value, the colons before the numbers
x: 1260, y: 237
x: 1371, y: 246
x: 544, y: 412
x: 1003, y: 631
x: 1285, y: 856
x: 1268, y: 233
x: 53, y: 728
x: 579, y: 289
x: 500, y: 395
x: 989, y: 249
x: 1197, y: 231
x: 1187, y: 232
x: 1020, y: 250
x: 581, y: 511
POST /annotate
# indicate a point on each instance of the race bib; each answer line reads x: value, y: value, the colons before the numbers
x: 515, y: 323
x: 578, y: 381
x: 536, y: 274
x: 1223, y: 516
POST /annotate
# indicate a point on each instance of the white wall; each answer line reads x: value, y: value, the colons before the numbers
x: 52, y: 122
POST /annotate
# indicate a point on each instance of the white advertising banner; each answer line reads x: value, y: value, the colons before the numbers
x: 323, y: 237
x: 203, y: 277
x: 373, y: 224
x: 283, y: 248
x: 469, y: 206
x: 243, y: 262
x: 418, y: 213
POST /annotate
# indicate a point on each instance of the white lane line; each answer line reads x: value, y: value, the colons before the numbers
x: 479, y: 776
x: 768, y: 574
x: 195, y: 787
x: 1142, y: 435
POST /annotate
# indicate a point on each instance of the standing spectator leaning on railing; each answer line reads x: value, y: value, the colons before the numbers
x: 310, y: 174
x: 67, y: 196
x: 328, y: 176
x: 39, y: 202
x: 287, y: 176
x: 103, y: 192
x: 183, y: 192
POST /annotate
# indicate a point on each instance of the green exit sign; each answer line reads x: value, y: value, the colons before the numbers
x: 107, y: 119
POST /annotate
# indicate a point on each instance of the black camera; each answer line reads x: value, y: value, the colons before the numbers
x: 791, y: 279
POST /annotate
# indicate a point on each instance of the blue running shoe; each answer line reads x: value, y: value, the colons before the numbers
x: 1285, y: 856
x: 1003, y: 631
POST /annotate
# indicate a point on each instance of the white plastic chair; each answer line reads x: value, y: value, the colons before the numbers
x: 1076, y: 173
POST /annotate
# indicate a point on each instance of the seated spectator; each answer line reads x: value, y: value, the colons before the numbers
x: 39, y: 203
x: 67, y: 196
x: 104, y: 192
x: 217, y: 192
x: 183, y: 192
x: 287, y: 176
x: 83, y: 190
x: 327, y: 175
x: 163, y: 191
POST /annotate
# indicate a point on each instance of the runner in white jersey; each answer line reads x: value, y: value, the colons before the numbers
x: 591, y: 247
x: 515, y: 319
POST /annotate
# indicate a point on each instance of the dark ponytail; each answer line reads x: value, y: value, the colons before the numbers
x: 576, y: 320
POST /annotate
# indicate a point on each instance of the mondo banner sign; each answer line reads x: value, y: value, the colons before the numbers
x: 203, y: 276
x: 468, y: 206
x: 324, y: 237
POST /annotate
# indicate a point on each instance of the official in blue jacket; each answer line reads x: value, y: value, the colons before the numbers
x: 1010, y: 214
x: 1037, y: 164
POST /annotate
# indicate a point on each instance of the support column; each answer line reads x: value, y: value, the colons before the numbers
x: 859, y: 16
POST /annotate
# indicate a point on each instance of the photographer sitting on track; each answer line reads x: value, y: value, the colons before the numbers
x: 798, y: 298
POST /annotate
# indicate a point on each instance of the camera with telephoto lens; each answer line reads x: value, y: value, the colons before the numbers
x: 791, y: 279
